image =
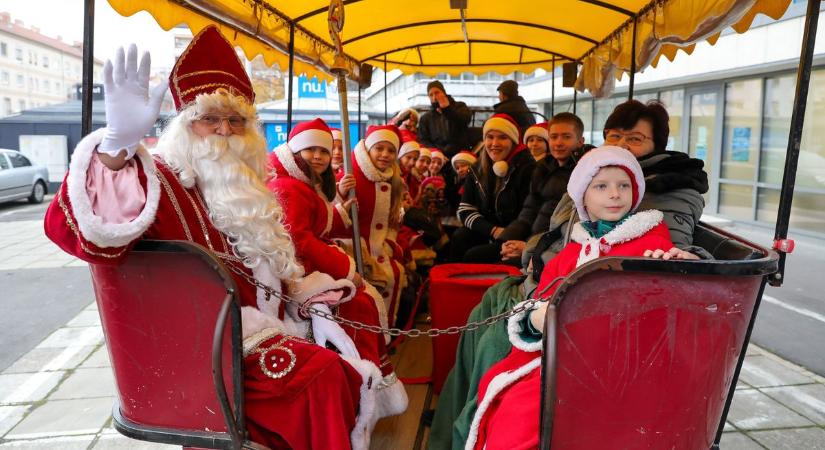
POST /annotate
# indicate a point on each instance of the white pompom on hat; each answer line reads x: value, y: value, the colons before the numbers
x: 408, y: 147
x: 504, y: 124
x: 314, y: 133
x: 590, y: 164
x: 378, y: 133
x: 336, y: 134
x: 464, y: 156
x: 540, y: 130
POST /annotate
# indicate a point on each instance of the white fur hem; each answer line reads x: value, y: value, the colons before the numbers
x: 108, y: 235
x: 367, y: 417
x: 287, y: 159
x: 497, y: 384
x: 344, y: 215
x: 391, y: 398
x: 514, y: 331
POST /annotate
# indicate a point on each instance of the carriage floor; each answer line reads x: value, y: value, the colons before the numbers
x: 413, y: 359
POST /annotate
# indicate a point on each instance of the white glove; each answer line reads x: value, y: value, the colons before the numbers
x: 130, y: 110
x: 324, y: 330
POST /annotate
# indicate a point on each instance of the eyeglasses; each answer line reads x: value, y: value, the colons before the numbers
x: 633, y: 139
x: 215, y: 121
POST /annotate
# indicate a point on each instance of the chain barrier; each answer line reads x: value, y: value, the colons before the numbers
x: 412, y: 333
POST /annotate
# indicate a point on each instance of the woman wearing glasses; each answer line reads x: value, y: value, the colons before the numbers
x: 675, y: 181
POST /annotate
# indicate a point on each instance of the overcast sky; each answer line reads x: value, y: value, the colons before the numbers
x: 65, y: 18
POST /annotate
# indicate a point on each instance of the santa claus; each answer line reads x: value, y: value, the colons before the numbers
x: 206, y: 184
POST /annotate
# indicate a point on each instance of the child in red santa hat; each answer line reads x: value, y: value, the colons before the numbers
x: 606, y: 186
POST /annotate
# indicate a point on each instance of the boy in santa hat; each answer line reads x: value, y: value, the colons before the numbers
x: 606, y: 186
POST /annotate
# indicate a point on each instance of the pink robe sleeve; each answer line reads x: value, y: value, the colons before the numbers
x: 117, y: 196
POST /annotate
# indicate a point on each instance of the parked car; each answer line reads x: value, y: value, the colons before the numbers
x: 20, y: 179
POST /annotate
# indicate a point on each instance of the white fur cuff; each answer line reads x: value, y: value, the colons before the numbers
x: 514, y: 331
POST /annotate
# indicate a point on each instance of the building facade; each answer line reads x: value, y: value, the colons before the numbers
x: 36, y: 70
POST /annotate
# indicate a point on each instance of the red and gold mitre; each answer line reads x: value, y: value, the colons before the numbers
x: 209, y: 63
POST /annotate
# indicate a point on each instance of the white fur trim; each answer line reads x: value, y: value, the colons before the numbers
x: 514, y: 331
x: 328, y: 205
x: 407, y: 147
x: 367, y: 167
x: 425, y: 152
x: 336, y: 134
x: 367, y: 417
x: 382, y: 135
x: 590, y: 164
x: 497, y: 384
x: 343, y: 213
x: 502, y: 125
x: 315, y: 283
x: 383, y: 319
x: 107, y: 235
x: 391, y: 398
x: 537, y: 130
x: 286, y: 157
x: 635, y: 226
x: 311, y: 138
x: 436, y: 153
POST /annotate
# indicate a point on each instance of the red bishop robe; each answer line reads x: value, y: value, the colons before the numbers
x: 509, y: 392
x: 321, y: 389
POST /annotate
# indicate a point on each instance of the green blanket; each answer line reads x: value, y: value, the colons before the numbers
x: 478, y: 350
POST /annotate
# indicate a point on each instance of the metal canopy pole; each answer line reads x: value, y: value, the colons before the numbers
x: 291, y: 69
x: 632, y: 62
x: 575, y: 96
x: 335, y: 20
x: 386, y: 118
x: 803, y: 77
x: 553, y: 89
x: 88, y: 66
x: 360, y: 131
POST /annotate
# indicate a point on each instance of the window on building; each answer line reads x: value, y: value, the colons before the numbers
x: 18, y: 160
x: 21, y: 82
x: 4, y: 49
x: 584, y: 109
x: 18, y: 54
x: 674, y: 103
x: 776, y: 125
x: 5, y: 78
x: 6, y: 105
x: 604, y: 107
x: 21, y: 105
x: 743, y: 129
x: 47, y: 86
x: 45, y: 61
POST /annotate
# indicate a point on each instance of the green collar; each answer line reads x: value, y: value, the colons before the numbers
x: 599, y: 228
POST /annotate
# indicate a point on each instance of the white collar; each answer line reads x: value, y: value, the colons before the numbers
x: 635, y: 226
x: 367, y: 167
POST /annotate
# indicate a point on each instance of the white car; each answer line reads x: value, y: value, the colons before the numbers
x: 20, y: 179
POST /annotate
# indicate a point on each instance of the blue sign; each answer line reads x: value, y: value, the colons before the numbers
x: 311, y: 88
x: 276, y: 134
x: 741, y: 144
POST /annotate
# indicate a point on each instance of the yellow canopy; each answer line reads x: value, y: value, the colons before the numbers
x: 489, y: 35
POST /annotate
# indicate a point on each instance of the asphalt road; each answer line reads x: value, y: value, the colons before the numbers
x: 791, y: 321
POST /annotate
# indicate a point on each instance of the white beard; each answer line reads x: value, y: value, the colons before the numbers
x: 231, y: 173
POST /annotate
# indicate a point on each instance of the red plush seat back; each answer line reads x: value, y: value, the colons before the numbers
x: 159, y: 311
x: 455, y: 289
x: 645, y: 360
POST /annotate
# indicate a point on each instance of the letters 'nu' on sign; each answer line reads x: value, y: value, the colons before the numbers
x: 311, y: 88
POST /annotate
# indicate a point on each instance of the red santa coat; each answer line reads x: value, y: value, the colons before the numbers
x: 374, y: 192
x: 172, y: 212
x: 311, y: 219
x: 510, y: 392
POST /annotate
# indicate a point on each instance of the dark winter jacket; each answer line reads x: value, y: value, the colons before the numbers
x: 517, y: 109
x: 548, y: 185
x: 674, y: 184
x: 446, y: 130
x: 482, y: 208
